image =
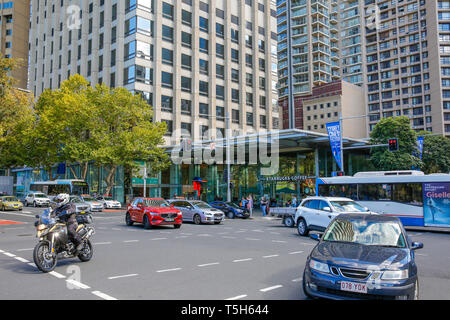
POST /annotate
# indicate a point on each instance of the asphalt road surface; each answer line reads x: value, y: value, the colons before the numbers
x: 254, y: 259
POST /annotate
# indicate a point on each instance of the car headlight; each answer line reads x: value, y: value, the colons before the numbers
x: 395, y: 275
x: 319, y: 266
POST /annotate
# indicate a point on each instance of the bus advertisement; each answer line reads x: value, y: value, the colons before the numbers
x: 436, y: 204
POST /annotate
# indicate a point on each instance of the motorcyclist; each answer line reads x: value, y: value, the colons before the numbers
x: 66, y: 212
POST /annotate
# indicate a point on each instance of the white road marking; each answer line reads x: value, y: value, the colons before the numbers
x: 57, y: 275
x: 223, y: 233
x: 252, y: 239
x: 78, y: 284
x: 257, y: 231
x: 1, y: 251
x: 204, y: 235
x: 279, y: 241
x: 31, y: 264
x: 103, y: 295
x: 296, y: 252
x: 186, y: 234
x: 274, y: 233
x: 9, y: 254
x: 297, y: 280
x: 130, y: 241
x: 115, y: 229
x: 422, y: 254
x: 169, y: 270
x: 101, y: 243
x: 124, y: 276
x: 156, y: 239
x: 271, y: 288
x: 208, y: 264
x: 227, y: 237
x: 238, y: 297
x: 21, y: 259
x: 181, y: 237
x: 272, y: 256
x: 243, y: 260
x: 15, y: 228
x: 27, y: 249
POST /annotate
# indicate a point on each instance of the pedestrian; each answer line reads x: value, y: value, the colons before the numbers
x: 294, y: 201
x: 264, y: 204
x: 250, y: 205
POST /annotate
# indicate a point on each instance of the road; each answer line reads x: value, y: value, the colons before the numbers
x: 255, y: 259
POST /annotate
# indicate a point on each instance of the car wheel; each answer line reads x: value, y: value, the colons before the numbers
x: 177, y: 226
x: 304, y: 288
x: 230, y: 215
x: 3, y: 208
x: 197, y: 219
x: 147, y: 224
x: 34, y: 204
x: 289, y: 222
x: 128, y: 220
x: 302, y: 228
x: 415, y: 295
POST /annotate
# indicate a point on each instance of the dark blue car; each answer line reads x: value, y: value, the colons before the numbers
x: 230, y: 209
x: 363, y: 256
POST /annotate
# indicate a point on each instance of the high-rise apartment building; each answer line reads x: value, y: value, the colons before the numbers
x: 408, y: 63
x: 397, y: 50
x: 14, y: 27
x: 194, y: 61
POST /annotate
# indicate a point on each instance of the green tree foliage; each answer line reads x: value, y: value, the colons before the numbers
x: 394, y: 127
x: 16, y: 115
x: 436, y: 154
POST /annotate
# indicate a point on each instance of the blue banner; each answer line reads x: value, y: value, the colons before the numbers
x: 335, y: 135
x: 436, y: 204
x: 420, y: 146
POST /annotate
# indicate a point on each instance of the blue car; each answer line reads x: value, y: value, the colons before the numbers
x: 363, y: 256
x: 230, y: 209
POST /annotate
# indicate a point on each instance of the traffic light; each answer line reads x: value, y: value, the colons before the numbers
x: 393, y: 145
x: 186, y: 145
x: 338, y: 173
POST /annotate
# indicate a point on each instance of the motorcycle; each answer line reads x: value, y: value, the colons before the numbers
x: 54, y: 241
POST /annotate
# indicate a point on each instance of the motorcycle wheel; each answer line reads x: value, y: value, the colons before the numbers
x: 43, y: 258
x: 86, y: 252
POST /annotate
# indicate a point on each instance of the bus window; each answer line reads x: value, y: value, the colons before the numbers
x: 374, y: 192
x: 409, y: 193
x: 345, y: 191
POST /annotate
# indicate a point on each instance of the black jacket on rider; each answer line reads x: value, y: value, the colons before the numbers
x: 67, y: 214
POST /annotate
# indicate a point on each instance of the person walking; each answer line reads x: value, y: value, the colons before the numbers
x: 294, y: 201
x: 250, y: 205
x: 264, y: 206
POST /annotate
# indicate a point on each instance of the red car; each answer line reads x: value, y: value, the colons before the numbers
x: 153, y: 212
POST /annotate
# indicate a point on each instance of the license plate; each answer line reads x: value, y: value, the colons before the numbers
x: 353, y: 287
x: 170, y: 220
x: 83, y: 212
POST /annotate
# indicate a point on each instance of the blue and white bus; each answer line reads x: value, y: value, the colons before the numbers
x: 417, y: 199
x: 53, y: 188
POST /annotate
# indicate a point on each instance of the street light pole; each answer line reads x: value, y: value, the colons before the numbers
x: 145, y: 180
x: 228, y: 159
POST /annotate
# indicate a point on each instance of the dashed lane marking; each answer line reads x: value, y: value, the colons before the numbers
x: 78, y: 284
x: 21, y: 259
x: 168, y: 270
x: 271, y: 256
x: 157, y: 239
x: 124, y: 276
x: 27, y: 249
x: 228, y: 237
x: 279, y: 241
x: 296, y: 252
x: 102, y: 243
x: 131, y: 241
x: 57, y: 275
x: 103, y: 295
x: 243, y: 260
x: 271, y: 288
x: 252, y: 239
x: 208, y: 264
x: 9, y: 254
x: 237, y: 297
x: 297, y: 280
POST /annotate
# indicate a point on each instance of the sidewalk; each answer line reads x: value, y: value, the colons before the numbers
x: 257, y: 214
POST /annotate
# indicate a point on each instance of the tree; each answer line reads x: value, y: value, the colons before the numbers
x: 125, y: 132
x: 436, y: 154
x: 16, y: 115
x: 394, y: 127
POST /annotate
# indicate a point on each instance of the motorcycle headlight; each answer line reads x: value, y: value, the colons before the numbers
x: 41, y: 227
x: 319, y: 266
x: 395, y: 275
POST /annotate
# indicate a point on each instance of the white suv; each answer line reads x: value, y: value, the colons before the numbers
x: 316, y: 213
x: 37, y: 200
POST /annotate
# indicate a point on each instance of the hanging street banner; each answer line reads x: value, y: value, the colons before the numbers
x: 335, y: 135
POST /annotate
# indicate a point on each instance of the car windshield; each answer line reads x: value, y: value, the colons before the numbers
x: 233, y: 205
x: 76, y: 200
x: 10, y: 199
x: 154, y: 203
x: 347, y: 206
x: 371, y: 233
x: 108, y: 199
x: 40, y: 195
x: 201, y: 205
x: 89, y: 199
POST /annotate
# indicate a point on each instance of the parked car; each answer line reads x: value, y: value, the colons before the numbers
x: 10, y: 203
x: 316, y: 213
x: 82, y: 206
x: 153, y: 212
x: 230, y: 209
x: 93, y: 203
x: 363, y: 256
x: 37, y: 199
x: 109, y: 202
x: 198, y: 211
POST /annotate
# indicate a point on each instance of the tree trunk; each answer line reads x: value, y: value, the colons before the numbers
x: 110, y: 181
x: 73, y: 172
x: 85, y: 167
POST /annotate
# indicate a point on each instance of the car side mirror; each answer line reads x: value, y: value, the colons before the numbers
x: 367, y: 209
x: 172, y: 205
x: 417, y: 245
x: 315, y: 236
x: 327, y: 209
x: 139, y: 206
